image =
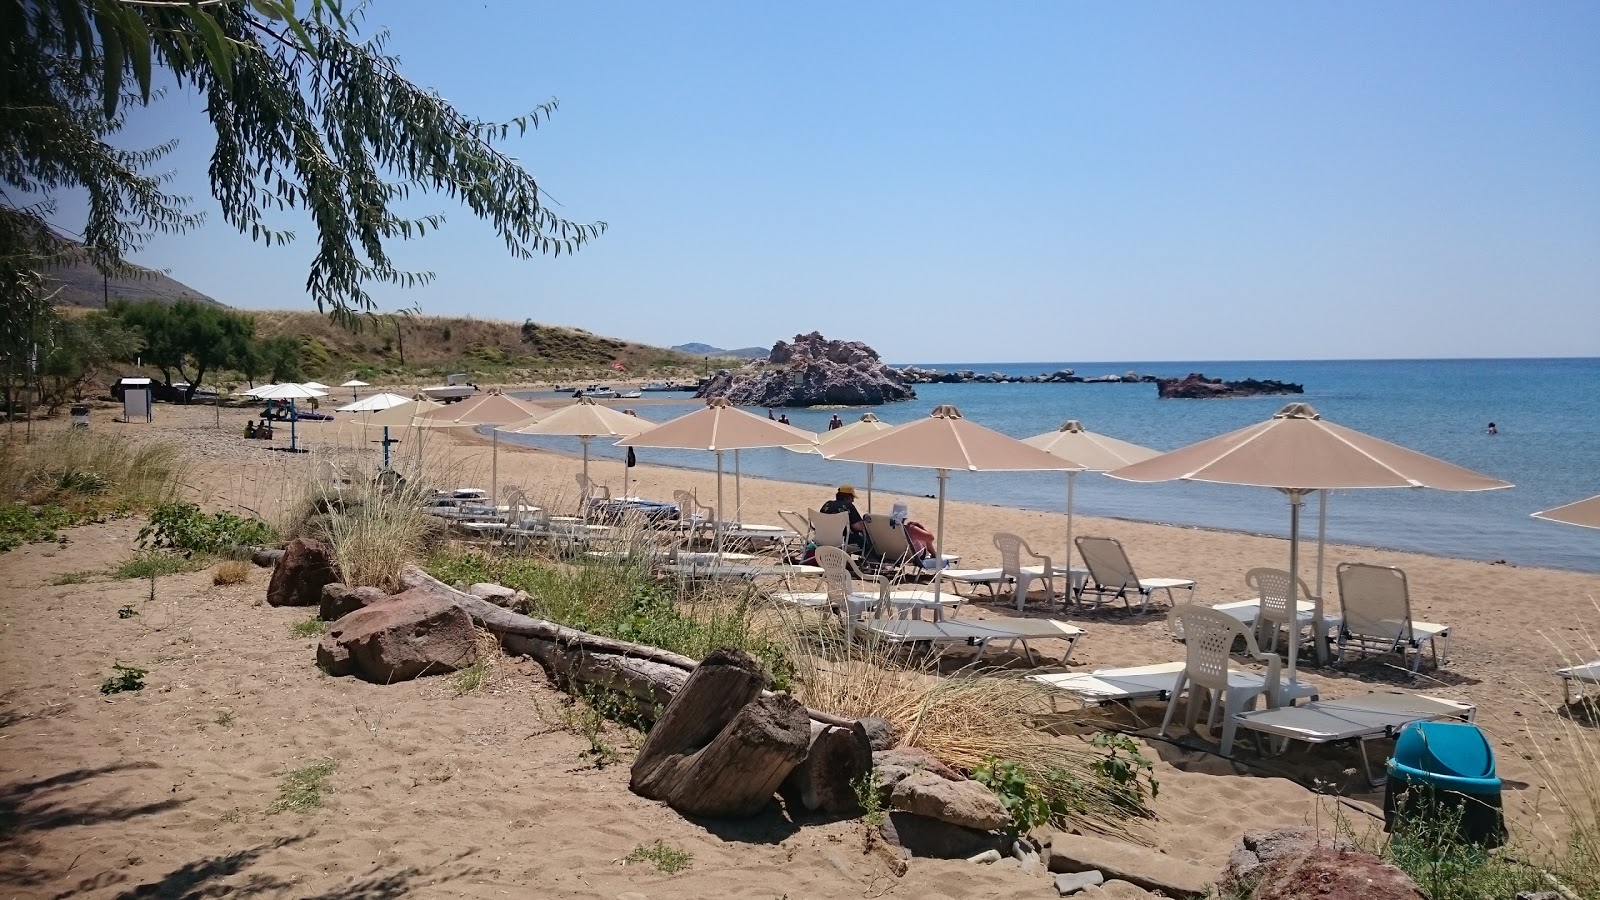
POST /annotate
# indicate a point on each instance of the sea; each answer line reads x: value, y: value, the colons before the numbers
x: 1546, y: 413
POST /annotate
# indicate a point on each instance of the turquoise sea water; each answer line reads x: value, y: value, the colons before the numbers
x: 1547, y: 412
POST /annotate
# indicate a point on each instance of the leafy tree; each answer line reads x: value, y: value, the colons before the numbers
x: 186, y: 337
x: 308, y: 116
x: 282, y: 356
x: 80, y: 352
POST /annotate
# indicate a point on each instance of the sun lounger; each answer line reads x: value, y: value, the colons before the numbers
x: 1209, y: 666
x: 891, y: 550
x: 1012, y: 550
x: 1124, y: 685
x: 978, y: 634
x: 1586, y: 674
x: 993, y: 579
x: 1356, y: 719
x: 1376, y: 602
x: 1111, y: 575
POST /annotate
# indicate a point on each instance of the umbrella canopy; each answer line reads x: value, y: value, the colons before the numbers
x: 315, y: 386
x: 493, y: 408
x: 718, y: 428
x: 375, y: 403
x: 288, y: 392
x: 860, y: 430
x: 1584, y: 513
x: 584, y: 419
x: 945, y: 441
x: 1297, y: 452
x: 1087, y: 451
x: 401, y: 415
x: 354, y: 382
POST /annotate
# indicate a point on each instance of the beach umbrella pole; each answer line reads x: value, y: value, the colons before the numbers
x: 869, y: 488
x: 584, y: 501
x: 292, y: 418
x: 938, y: 549
x: 1322, y: 534
x: 386, y: 446
x: 494, y: 467
x: 738, y: 495
x: 1295, y: 498
x: 716, y: 527
x: 1070, y: 476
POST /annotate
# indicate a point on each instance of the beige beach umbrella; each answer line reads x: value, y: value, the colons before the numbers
x: 1584, y: 513
x: 584, y: 420
x: 859, y: 430
x: 946, y: 442
x: 492, y: 408
x: 398, y: 415
x: 1298, y: 452
x: 719, y: 427
x: 1089, y: 452
x: 354, y: 385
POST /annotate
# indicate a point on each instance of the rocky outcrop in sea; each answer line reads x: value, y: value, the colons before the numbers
x: 811, y: 371
x: 1195, y: 386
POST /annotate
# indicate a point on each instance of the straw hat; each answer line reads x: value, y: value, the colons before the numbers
x: 846, y: 489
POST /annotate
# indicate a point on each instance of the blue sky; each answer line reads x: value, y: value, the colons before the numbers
x: 1011, y: 181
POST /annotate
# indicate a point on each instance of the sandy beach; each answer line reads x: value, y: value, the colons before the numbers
x: 166, y: 792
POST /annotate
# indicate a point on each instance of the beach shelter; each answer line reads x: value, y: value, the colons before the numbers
x: 353, y: 384
x: 584, y: 420
x: 492, y: 408
x: 315, y: 386
x: 860, y: 430
x: 291, y: 393
x: 1298, y: 452
x: 375, y: 403
x: 718, y: 428
x: 1584, y: 513
x: 399, y: 415
x: 1088, y: 452
x: 946, y: 442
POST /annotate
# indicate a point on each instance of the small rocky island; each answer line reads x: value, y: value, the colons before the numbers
x: 811, y: 371
x: 1195, y: 386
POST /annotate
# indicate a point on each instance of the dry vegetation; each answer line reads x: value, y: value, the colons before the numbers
x: 400, y: 348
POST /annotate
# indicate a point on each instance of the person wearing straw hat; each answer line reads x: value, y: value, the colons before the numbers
x: 844, y: 501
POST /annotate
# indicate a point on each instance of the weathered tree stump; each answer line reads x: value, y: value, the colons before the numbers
x: 826, y: 779
x: 723, y: 746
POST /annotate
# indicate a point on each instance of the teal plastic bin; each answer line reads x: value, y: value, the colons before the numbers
x: 1445, y: 769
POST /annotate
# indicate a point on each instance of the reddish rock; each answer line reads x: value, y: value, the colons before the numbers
x: 410, y: 634
x: 299, y: 576
x: 925, y: 837
x: 812, y: 371
x: 905, y: 760
x: 333, y: 658
x: 1329, y: 874
x: 340, y: 600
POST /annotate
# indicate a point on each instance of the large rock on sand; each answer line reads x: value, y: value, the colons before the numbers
x: 812, y: 371
x: 410, y: 634
x: 340, y: 600
x: 1298, y: 864
x: 1141, y: 866
x: 965, y: 803
x: 298, y: 578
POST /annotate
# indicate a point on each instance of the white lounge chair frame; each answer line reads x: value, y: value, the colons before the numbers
x: 1360, y: 720
x: 1376, y: 606
x: 1586, y: 674
x: 1111, y: 574
x: 1122, y: 685
x: 977, y: 634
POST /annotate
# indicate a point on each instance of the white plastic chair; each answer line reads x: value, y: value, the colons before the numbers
x: 1376, y: 605
x: 1208, y: 637
x: 1272, y: 587
x: 1012, y: 548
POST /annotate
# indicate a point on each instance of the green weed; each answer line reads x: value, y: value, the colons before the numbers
x: 184, y: 528
x: 123, y: 679
x: 151, y: 565
x: 301, y: 790
x: 308, y: 628
x: 669, y: 860
x: 225, y: 718
x: 126, y: 611
x: 73, y: 578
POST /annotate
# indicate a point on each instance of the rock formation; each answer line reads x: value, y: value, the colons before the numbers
x: 1195, y: 386
x: 300, y: 573
x: 811, y: 371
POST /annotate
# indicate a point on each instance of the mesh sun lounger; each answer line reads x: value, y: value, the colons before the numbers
x: 1588, y: 673
x: 1111, y: 576
x: 993, y: 579
x: 978, y: 634
x: 1358, y: 719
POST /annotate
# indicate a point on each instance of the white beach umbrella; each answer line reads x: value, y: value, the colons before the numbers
x: 860, y: 430
x: 946, y: 442
x: 315, y: 386
x: 291, y: 393
x: 717, y: 428
x: 584, y: 420
x: 1298, y: 452
x: 374, y: 403
x: 1087, y: 452
x: 353, y: 384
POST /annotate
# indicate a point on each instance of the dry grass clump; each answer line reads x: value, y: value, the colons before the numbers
x: 99, y: 473
x: 374, y: 532
x: 231, y: 571
x: 965, y: 721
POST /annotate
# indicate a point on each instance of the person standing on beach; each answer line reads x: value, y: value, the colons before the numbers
x: 769, y: 413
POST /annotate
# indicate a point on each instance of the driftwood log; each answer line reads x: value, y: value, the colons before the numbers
x: 723, y: 746
x: 826, y: 779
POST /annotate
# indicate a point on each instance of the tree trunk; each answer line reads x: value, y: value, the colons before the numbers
x: 722, y: 749
x: 826, y: 779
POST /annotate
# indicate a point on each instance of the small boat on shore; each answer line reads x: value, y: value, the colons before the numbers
x: 597, y: 392
x: 456, y: 388
x: 660, y: 386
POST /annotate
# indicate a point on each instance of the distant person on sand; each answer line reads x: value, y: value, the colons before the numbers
x: 844, y: 500
x: 250, y: 431
x: 1492, y: 429
x: 783, y: 418
x: 835, y: 422
x: 769, y: 413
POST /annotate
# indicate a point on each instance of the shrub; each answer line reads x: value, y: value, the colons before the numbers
x: 231, y: 571
x: 123, y: 678
x: 70, y: 477
x: 154, y: 565
x: 184, y: 528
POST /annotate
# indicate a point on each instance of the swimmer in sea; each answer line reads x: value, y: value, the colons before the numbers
x: 1492, y: 429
